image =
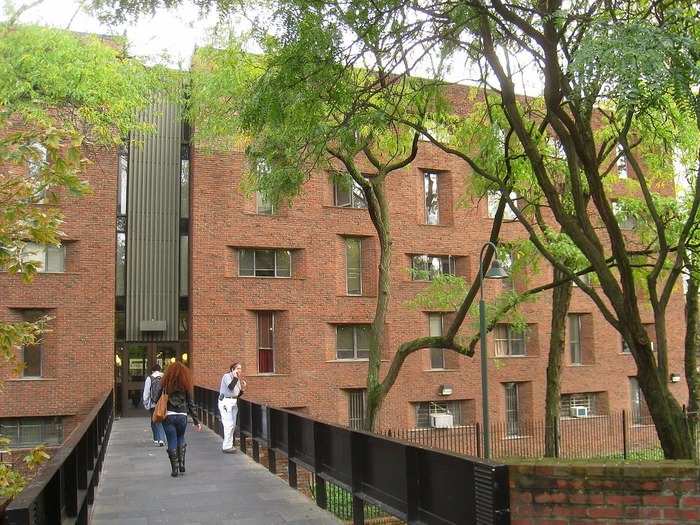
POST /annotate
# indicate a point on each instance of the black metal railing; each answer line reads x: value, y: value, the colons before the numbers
x: 65, y: 487
x: 411, y: 482
x: 619, y: 435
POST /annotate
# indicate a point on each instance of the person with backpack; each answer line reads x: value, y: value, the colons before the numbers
x: 151, y: 393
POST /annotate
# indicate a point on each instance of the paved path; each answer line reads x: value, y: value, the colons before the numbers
x: 136, y: 488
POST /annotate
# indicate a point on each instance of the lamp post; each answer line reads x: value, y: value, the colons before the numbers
x: 496, y: 271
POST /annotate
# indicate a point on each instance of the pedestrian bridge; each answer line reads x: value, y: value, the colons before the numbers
x: 109, y: 472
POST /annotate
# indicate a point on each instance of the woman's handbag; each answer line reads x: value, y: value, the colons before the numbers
x: 160, y: 409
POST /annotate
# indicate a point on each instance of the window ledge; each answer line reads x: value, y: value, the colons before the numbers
x: 247, y: 277
x: 512, y: 356
x: 510, y: 438
x: 436, y: 225
x: 28, y: 379
x: 255, y: 214
x: 578, y: 365
x: 272, y: 374
x: 441, y: 370
x: 359, y: 360
x: 357, y: 296
x: 334, y: 207
x: 43, y: 273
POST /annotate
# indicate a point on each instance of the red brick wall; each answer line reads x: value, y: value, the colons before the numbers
x: 223, y: 327
x: 79, y: 350
x: 605, y: 495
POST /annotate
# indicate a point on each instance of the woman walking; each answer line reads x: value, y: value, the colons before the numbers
x: 177, y: 384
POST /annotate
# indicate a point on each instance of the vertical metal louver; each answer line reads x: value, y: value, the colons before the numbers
x: 153, y: 227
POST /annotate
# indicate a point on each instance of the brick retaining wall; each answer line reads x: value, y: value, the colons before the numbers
x: 621, y: 494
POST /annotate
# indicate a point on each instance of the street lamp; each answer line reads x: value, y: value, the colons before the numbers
x: 495, y: 272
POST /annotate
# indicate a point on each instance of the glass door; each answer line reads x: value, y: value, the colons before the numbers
x: 133, y: 365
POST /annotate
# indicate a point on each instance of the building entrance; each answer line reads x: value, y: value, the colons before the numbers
x: 133, y: 364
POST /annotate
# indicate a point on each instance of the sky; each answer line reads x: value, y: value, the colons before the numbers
x: 174, y: 32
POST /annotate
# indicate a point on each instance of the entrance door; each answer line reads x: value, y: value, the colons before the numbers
x: 136, y: 362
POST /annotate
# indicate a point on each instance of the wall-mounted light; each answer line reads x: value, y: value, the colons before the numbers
x: 675, y: 378
x: 445, y: 390
x: 117, y: 360
x: 184, y: 357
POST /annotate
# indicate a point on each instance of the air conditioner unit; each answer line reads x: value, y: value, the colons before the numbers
x: 577, y: 411
x: 441, y: 420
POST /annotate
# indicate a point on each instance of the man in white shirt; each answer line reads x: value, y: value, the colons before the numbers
x: 231, y: 388
x: 151, y: 393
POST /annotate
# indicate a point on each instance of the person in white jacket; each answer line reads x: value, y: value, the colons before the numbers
x: 151, y: 393
x: 232, y: 387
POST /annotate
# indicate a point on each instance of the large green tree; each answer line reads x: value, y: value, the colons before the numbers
x: 597, y: 108
x: 63, y: 97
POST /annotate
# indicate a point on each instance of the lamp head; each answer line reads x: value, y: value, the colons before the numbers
x: 497, y: 271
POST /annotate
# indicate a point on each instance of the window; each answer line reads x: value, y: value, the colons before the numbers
x: 353, y: 265
x: 28, y: 432
x: 263, y: 206
x: 121, y: 264
x: 625, y: 347
x: 427, y: 267
x: 35, y: 166
x: 437, y: 355
x: 430, y: 189
x: 508, y: 341
x: 184, y: 265
x: 512, y: 410
x: 586, y: 278
x: 352, y: 341
x: 348, y: 194
x: 266, y: 342
x: 426, y: 409
x: 185, y: 181
x: 264, y: 263
x: 640, y: 411
x: 621, y: 162
x: 493, y: 199
x: 122, y: 180
x: 575, y: 339
x: 49, y: 259
x: 624, y: 219
x: 32, y: 355
x: 586, y: 399
x: 506, y: 261
x: 356, y: 408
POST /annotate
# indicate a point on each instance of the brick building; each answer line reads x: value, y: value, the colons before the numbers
x: 168, y: 259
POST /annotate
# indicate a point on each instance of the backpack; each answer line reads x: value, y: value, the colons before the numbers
x: 155, y: 388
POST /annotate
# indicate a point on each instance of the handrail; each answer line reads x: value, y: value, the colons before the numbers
x: 64, y: 487
x: 414, y: 483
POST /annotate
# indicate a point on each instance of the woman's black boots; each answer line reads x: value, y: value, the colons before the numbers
x: 181, y: 457
x: 172, y: 455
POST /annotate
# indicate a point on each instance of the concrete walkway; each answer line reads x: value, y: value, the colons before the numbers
x: 136, y: 488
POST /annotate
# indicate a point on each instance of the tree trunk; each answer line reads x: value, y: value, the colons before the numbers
x: 691, y: 348
x: 668, y: 417
x: 561, y: 298
x: 379, y: 212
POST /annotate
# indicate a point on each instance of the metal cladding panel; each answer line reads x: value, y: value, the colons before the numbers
x: 153, y: 226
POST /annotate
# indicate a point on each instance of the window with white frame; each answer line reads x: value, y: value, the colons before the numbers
x: 347, y: 193
x: 621, y: 162
x: 431, y: 190
x: 640, y: 410
x: 437, y: 355
x: 589, y: 400
x: 508, y: 341
x: 29, y: 432
x: 512, y: 409
x: 357, y: 399
x: 263, y: 206
x: 425, y: 409
x: 625, y: 346
x: 625, y: 220
x: 427, y: 267
x: 48, y: 259
x: 35, y: 166
x: 353, y: 265
x: 494, y: 197
x: 264, y: 263
x: 575, y: 352
x: 352, y: 341
x: 505, y: 259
